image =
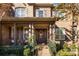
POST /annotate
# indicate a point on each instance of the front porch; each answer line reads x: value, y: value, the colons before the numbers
x: 22, y: 31
x: 19, y: 32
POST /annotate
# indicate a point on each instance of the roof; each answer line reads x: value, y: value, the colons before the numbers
x: 42, y: 4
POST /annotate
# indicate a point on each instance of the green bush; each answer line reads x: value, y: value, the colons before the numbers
x: 32, y: 43
x: 11, y: 50
x: 52, y: 47
x: 64, y: 52
x: 67, y: 51
x: 27, y: 51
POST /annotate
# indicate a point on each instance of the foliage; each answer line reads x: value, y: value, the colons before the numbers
x: 52, y: 47
x: 12, y: 50
x: 26, y: 51
x: 64, y: 52
x: 58, y: 47
x: 32, y: 43
x: 67, y: 51
x: 73, y: 46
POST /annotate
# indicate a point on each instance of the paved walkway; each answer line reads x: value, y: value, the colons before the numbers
x: 44, y: 51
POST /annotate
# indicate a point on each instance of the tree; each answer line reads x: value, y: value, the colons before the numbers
x: 72, y: 8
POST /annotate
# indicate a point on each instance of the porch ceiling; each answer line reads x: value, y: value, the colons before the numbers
x: 30, y: 19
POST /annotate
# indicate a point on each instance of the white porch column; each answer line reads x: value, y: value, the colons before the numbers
x: 13, y: 34
x: 30, y: 31
x: 32, y: 34
x: 50, y: 32
x: 53, y: 31
x: 14, y: 27
x: 14, y: 31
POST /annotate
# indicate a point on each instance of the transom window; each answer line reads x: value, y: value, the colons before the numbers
x: 60, y: 34
x: 20, y: 12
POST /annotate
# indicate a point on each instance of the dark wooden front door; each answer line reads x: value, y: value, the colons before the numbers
x: 41, y: 36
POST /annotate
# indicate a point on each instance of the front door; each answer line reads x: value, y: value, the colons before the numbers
x: 41, y: 36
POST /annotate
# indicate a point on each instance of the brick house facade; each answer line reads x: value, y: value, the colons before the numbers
x: 22, y: 20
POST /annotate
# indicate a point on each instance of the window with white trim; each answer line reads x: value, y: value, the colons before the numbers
x: 20, y: 12
x: 40, y: 12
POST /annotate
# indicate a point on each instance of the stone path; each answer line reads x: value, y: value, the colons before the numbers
x: 44, y: 51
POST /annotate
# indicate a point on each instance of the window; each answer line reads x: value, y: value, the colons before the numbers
x: 60, y: 34
x: 20, y: 12
x: 40, y: 12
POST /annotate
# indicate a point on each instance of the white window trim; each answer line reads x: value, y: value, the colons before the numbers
x: 20, y: 11
x: 37, y: 12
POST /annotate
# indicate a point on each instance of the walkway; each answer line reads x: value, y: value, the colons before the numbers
x: 44, y: 51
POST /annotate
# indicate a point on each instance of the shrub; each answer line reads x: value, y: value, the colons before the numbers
x: 58, y: 47
x: 67, y: 51
x: 11, y: 50
x: 27, y: 51
x: 52, y: 47
x: 64, y: 52
x: 32, y: 43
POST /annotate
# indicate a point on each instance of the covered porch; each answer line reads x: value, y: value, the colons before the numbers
x: 19, y: 30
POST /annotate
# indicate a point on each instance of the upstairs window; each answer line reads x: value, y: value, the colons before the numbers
x: 40, y: 12
x: 20, y: 12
